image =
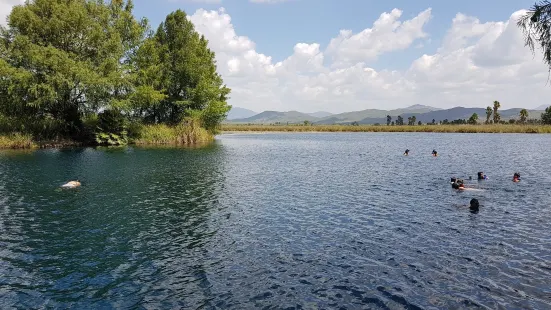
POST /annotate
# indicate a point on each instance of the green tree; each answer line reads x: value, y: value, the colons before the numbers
x: 188, y: 76
x: 523, y: 116
x: 420, y: 123
x: 497, y: 117
x: 400, y: 121
x: 536, y: 25
x: 489, y: 112
x: 388, y: 120
x: 433, y: 121
x: 473, y: 119
x: 63, y: 60
x: 546, y: 116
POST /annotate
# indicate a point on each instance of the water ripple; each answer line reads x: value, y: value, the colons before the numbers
x: 279, y: 221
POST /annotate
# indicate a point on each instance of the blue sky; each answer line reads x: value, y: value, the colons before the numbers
x: 292, y: 55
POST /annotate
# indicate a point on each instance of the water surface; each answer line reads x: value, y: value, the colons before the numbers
x: 280, y: 221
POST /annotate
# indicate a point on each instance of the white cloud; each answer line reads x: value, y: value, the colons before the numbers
x: 476, y: 64
x: 5, y: 9
x: 387, y: 34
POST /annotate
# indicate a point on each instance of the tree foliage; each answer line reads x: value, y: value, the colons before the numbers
x: 546, y: 117
x: 388, y: 120
x: 69, y: 60
x: 489, y: 112
x: 473, y: 119
x: 497, y: 117
x: 536, y: 27
x: 400, y: 121
x: 523, y: 116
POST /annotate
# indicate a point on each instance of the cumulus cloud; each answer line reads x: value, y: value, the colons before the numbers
x: 476, y: 64
x: 387, y: 34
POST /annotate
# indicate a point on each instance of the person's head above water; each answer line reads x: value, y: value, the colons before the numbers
x: 474, y: 205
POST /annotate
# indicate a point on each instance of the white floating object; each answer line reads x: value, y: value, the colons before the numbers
x: 71, y: 184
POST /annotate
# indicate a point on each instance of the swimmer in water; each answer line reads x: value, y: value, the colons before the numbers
x: 474, y: 205
x: 434, y: 153
x: 406, y: 153
x: 71, y: 184
x: 482, y: 176
x: 457, y: 184
x: 516, y: 177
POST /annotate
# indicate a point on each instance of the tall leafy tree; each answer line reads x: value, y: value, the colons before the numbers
x: 388, y: 120
x: 523, y: 116
x: 187, y: 77
x: 489, y: 112
x: 546, y: 116
x: 400, y: 121
x: 497, y: 117
x: 473, y: 119
x: 536, y: 27
x: 62, y: 59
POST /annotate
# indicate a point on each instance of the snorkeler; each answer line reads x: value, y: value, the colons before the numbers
x: 434, y: 153
x: 406, y: 153
x: 516, y: 177
x: 482, y: 176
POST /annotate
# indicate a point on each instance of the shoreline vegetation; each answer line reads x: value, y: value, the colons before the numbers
x: 96, y: 75
x: 491, y: 128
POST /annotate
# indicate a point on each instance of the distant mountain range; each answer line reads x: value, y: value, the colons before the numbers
x: 237, y: 113
x: 422, y: 113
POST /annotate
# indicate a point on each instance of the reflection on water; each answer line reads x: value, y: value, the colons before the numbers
x: 279, y: 221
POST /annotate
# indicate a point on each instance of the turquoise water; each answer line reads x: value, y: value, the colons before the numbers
x: 279, y: 221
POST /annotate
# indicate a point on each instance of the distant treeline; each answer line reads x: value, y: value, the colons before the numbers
x: 89, y: 71
x: 449, y: 128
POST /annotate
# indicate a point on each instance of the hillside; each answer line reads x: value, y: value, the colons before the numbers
x: 424, y: 114
x: 320, y: 114
x: 270, y: 117
x: 237, y: 113
x: 380, y: 115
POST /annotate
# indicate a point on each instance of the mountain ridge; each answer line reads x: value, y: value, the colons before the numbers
x: 423, y: 113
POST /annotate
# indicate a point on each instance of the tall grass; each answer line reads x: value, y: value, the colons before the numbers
x: 186, y: 133
x: 16, y: 141
x: 501, y: 128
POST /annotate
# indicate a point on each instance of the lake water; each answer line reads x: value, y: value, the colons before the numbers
x: 280, y: 221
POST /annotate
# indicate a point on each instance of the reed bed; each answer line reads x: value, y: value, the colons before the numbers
x: 16, y: 141
x: 184, y: 134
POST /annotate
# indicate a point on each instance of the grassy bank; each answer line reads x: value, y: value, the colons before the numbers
x: 187, y: 133
x: 372, y: 128
x: 17, y: 141
x: 167, y: 135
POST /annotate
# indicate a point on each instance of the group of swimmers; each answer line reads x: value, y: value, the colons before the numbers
x: 459, y: 184
x: 434, y: 153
